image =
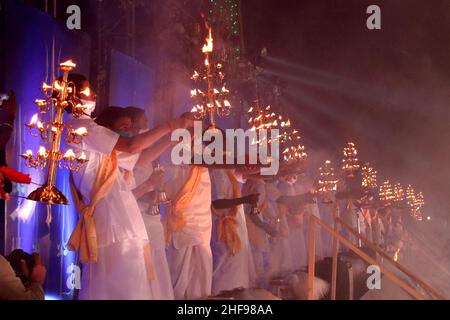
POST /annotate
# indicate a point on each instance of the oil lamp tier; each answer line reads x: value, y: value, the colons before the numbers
x: 327, y: 183
x: 369, y: 177
x: 386, y: 193
x: 350, y: 162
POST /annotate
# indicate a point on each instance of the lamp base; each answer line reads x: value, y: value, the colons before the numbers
x: 48, y: 194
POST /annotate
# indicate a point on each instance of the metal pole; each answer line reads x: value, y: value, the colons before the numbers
x: 312, y: 257
x: 335, y: 253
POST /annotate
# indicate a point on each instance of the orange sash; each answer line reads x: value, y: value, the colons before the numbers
x: 227, y: 224
x: 175, y: 220
x: 84, y: 237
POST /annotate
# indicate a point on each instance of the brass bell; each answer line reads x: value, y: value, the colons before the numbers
x: 255, y: 211
x: 155, y: 210
x: 161, y: 196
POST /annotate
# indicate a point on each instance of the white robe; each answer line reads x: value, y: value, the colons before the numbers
x: 230, y: 271
x: 120, y: 272
x: 162, y: 285
x: 297, y: 241
x: 280, y: 255
x: 189, y: 255
x: 260, y: 251
x: 304, y: 185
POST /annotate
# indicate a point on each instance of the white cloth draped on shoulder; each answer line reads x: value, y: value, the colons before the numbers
x: 189, y: 253
x: 121, y: 271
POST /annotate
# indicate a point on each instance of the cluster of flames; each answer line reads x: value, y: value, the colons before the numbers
x: 369, y: 177
x: 60, y: 94
x: 350, y: 162
x: 399, y: 193
x: 327, y: 183
x: 395, y: 195
x: 415, y: 202
x: 210, y: 94
x: 388, y: 194
x: 292, y: 150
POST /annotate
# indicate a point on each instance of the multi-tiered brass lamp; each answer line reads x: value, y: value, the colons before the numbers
x: 61, y: 94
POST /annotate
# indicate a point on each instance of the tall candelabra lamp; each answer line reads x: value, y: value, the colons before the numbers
x: 210, y: 94
x: 58, y: 96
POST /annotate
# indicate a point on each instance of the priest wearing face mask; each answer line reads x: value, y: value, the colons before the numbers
x: 110, y: 237
x: 145, y: 181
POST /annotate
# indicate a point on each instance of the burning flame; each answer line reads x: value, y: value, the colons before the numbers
x: 57, y: 85
x: 40, y: 126
x: 43, y: 153
x: 46, y: 87
x: 208, y: 47
x: 40, y: 103
x: 396, y: 255
x: 69, y: 155
x: 81, y: 106
x: 68, y: 64
x: 28, y: 153
x: 33, y: 121
x: 86, y: 92
x: 81, y: 131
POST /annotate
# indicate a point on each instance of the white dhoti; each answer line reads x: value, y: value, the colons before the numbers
x: 162, y: 284
x: 191, y: 271
x: 119, y: 274
x: 280, y: 258
x: 258, y: 239
x: 298, y: 247
x: 230, y: 271
x: 236, y: 271
x: 189, y: 254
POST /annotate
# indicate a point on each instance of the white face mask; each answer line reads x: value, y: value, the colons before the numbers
x: 90, y: 106
x: 143, y: 131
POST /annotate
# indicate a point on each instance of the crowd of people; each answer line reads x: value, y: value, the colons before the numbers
x: 225, y: 228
